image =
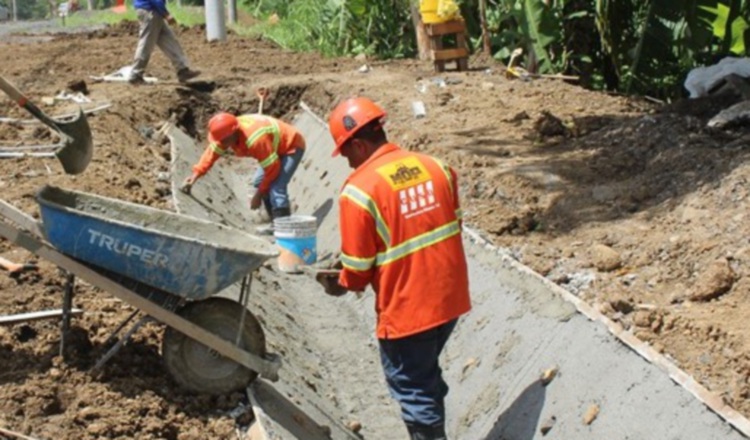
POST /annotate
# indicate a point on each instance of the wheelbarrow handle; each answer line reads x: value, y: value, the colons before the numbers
x: 22, y: 101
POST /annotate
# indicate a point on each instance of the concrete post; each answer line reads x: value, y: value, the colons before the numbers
x: 15, y: 11
x: 232, y: 14
x: 216, y: 28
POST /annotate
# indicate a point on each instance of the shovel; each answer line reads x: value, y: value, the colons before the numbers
x: 77, y: 146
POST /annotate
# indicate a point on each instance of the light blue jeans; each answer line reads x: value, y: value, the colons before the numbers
x: 278, y: 194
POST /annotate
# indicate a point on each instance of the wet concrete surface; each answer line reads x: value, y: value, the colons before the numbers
x: 520, y: 326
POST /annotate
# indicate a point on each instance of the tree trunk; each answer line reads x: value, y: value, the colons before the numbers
x: 485, y: 33
x: 423, y: 41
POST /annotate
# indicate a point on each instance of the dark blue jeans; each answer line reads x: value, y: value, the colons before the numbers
x: 278, y: 196
x: 414, y: 376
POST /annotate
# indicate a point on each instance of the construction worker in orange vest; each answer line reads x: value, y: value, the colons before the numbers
x: 275, y: 144
x: 400, y: 223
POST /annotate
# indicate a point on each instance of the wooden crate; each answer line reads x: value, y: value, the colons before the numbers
x: 440, y: 54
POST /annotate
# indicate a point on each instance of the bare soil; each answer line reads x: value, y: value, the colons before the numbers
x: 636, y: 207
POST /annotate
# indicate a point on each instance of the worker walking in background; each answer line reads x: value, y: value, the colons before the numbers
x: 400, y: 223
x: 276, y: 145
x: 154, y: 30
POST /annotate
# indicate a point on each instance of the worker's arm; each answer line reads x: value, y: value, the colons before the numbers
x: 209, y: 157
x: 212, y: 153
x: 358, y: 245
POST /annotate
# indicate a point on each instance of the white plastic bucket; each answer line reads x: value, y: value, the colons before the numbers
x: 296, y: 237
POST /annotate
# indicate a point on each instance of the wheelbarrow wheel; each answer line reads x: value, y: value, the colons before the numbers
x: 201, y: 369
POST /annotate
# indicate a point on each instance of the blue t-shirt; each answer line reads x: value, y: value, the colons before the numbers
x: 158, y: 6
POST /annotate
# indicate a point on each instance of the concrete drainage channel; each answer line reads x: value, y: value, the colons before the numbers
x: 608, y: 384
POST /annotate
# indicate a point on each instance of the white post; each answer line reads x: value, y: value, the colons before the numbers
x: 91, y: 5
x: 232, y: 11
x: 216, y: 28
x: 15, y: 11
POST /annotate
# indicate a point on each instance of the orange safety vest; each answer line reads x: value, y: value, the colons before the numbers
x: 262, y: 137
x: 400, y: 222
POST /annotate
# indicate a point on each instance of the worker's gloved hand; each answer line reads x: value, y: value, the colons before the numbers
x: 256, y: 201
x: 187, y: 185
x: 330, y: 283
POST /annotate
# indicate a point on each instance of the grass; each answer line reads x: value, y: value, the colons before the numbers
x: 185, y: 15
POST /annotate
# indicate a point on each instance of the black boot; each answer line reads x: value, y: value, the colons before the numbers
x: 423, y: 432
x: 280, y: 212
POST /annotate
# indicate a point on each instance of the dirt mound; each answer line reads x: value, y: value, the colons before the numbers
x: 638, y: 209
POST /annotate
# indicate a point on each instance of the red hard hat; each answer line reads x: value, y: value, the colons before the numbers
x: 222, y: 125
x: 350, y: 116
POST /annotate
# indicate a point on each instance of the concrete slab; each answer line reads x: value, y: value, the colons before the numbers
x: 521, y: 324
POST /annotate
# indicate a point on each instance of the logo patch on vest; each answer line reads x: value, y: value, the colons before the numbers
x: 404, y: 173
x: 418, y: 199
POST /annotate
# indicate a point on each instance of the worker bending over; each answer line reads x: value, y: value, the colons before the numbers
x: 400, y: 223
x: 276, y: 145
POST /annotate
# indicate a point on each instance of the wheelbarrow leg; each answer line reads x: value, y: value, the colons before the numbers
x: 120, y: 327
x: 125, y: 338
x: 67, y: 306
x: 244, y: 297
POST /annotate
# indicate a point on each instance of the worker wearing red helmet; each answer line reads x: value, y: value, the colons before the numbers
x: 276, y: 145
x: 400, y: 223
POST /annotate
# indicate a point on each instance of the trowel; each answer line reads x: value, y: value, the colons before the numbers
x: 76, y: 146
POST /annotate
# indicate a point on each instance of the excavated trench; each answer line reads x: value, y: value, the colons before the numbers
x: 520, y: 326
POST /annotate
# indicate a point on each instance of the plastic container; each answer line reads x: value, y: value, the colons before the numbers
x: 428, y: 10
x: 296, y: 238
x: 438, y: 11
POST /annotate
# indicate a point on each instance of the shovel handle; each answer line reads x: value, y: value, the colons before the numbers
x: 12, y: 91
x: 262, y: 93
x: 22, y: 101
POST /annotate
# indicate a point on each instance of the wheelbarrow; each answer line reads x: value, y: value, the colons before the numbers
x: 166, y: 265
x: 76, y: 145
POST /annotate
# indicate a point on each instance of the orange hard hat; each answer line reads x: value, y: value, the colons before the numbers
x: 350, y: 116
x: 222, y: 125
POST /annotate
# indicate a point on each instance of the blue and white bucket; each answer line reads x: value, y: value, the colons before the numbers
x: 296, y: 236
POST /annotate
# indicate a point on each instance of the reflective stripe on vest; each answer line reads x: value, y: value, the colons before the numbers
x: 218, y: 150
x: 358, y: 264
x: 368, y: 204
x: 417, y: 243
x: 272, y: 129
x: 447, y: 172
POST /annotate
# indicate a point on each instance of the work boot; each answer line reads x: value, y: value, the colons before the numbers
x: 136, y: 79
x: 423, y: 432
x: 280, y: 212
x: 186, y: 74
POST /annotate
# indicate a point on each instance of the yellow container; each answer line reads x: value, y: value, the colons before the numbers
x: 438, y: 11
x: 428, y: 10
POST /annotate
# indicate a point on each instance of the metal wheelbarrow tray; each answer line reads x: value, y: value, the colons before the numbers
x: 182, y: 255
x: 211, y: 344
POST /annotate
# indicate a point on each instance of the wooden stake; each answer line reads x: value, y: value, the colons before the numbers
x: 423, y: 41
x: 485, y: 33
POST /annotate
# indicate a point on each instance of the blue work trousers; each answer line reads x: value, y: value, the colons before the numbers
x: 278, y: 195
x: 414, y: 376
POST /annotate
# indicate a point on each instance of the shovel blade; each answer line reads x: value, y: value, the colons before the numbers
x: 78, y: 145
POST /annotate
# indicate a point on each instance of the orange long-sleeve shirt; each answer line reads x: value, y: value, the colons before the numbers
x: 265, y: 138
x: 400, y: 222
